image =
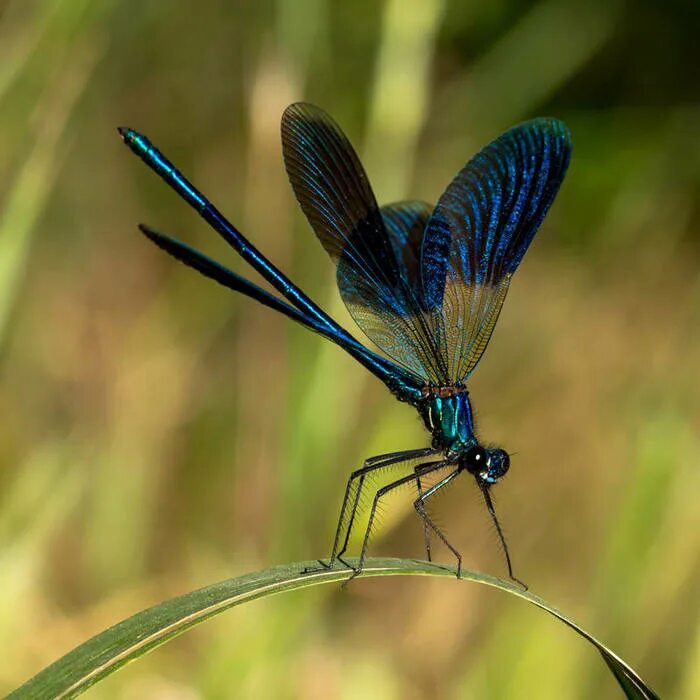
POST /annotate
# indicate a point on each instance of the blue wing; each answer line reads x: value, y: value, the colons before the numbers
x: 376, y: 251
x: 405, y: 223
x: 479, y: 231
x: 427, y: 289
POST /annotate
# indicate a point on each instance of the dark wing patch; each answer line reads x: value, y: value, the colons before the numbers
x: 405, y: 223
x: 480, y: 229
x: 373, y: 278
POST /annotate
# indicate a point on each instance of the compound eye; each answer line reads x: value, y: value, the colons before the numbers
x: 476, y: 460
x: 499, y: 464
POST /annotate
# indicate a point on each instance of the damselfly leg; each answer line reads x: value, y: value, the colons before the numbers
x: 420, y: 471
x: 426, y: 528
x: 504, y: 546
x: 351, y: 499
x: 428, y: 523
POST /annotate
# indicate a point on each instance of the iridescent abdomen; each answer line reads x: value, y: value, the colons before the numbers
x: 448, y: 416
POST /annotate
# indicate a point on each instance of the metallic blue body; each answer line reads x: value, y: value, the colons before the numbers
x: 400, y: 382
x: 387, y: 237
x: 450, y: 421
x: 425, y: 284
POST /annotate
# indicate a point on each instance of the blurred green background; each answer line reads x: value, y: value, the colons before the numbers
x: 159, y: 433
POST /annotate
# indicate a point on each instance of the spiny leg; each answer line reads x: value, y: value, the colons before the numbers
x: 377, y: 463
x: 426, y: 529
x: 424, y: 469
x: 492, y: 512
x: 419, y: 505
x: 370, y: 465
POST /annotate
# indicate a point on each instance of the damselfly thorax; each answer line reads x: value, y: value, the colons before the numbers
x: 447, y: 414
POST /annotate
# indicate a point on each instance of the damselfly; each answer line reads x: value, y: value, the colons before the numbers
x: 426, y: 284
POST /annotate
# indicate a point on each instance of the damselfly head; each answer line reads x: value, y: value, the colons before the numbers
x: 487, y: 465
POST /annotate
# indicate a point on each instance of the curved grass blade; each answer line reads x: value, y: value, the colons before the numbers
x: 100, y: 656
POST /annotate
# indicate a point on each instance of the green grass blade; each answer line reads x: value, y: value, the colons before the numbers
x: 128, y: 640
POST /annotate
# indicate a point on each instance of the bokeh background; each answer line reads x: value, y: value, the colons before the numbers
x: 158, y: 434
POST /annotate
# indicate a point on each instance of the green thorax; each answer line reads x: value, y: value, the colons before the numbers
x: 447, y: 414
